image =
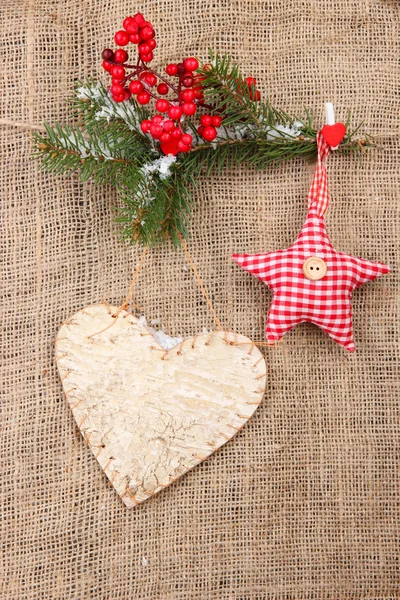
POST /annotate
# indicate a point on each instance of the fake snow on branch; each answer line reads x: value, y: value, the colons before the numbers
x: 106, y: 108
x: 161, y: 166
x: 73, y: 140
x: 248, y: 132
x: 147, y: 182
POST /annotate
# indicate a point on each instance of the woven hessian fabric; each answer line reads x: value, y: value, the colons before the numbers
x: 304, y: 502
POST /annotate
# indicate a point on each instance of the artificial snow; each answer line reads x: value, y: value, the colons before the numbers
x: 164, y: 340
x: 249, y: 131
x: 72, y: 141
x: 161, y: 165
x: 284, y: 131
x: 109, y: 109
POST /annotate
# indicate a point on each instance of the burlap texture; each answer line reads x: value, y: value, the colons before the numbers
x: 304, y: 502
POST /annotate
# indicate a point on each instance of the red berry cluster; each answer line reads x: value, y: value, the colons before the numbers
x: 140, y: 80
x: 208, y: 123
x: 140, y: 32
x: 170, y: 136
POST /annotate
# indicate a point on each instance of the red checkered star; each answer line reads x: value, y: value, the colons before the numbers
x: 311, y: 280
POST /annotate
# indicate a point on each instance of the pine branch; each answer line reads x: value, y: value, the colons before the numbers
x: 228, y: 91
x: 101, y: 156
x: 155, y: 208
x: 108, y: 146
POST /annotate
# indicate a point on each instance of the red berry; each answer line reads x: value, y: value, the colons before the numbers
x: 147, y: 33
x: 216, y: 121
x: 251, y: 81
x: 107, y: 66
x: 118, y: 72
x: 119, y: 98
x: 181, y: 68
x: 144, y: 74
x: 145, y: 126
x: 187, y: 139
x: 143, y: 98
x: 147, y: 57
x: 170, y: 148
x: 256, y: 97
x: 165, y: 137
x: 130, y: 25
x: 162, y: 105
x: 162, y: 89
x: 169, y: 126
x: 144, y: 48
x: 120, y: 56
x: 117, y: 89
x: 176, y: 134
x: 121, y: 38
x: 156, y: 130
x: 206, y: 120
x: 151, y: 79
x: 134, y: 38
x: 187, y: 81
x: 136, y: 86
x: 187, y: 95
x: 171, y: 69
x: 152, y: 43
x: 157, y: 119
x: 175, y: 112
x: 107, y: 54
x: 140, y: 20
x: 198, y: 88
x: 189, y: 108
x: 200, y: 130
x: 191, y: 64
x: 127, y: 94
x: 200, y: 96
x: 209, y: 133
x: 183, y: 147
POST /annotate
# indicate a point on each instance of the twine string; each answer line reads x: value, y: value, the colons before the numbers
x: 200, y: 282
x: 125, y: 303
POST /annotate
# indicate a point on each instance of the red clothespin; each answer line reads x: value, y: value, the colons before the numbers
x: 332, y: 132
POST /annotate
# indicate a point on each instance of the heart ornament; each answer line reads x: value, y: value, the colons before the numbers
x: 148, y: 414
x: 334, y: 134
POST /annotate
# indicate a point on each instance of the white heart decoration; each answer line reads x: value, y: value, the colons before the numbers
x: 150, y: 415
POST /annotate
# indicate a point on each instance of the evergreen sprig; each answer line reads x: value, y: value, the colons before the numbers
x: 107, y: 145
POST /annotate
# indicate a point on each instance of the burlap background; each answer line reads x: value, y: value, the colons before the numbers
x: 304, y: 502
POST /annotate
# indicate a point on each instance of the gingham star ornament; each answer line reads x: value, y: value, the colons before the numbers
x: 311, y: 280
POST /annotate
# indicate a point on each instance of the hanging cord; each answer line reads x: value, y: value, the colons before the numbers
x: 125, y: 304
x: 201, y: 285
x: 199, y: 281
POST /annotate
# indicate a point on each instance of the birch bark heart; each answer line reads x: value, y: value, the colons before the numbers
x: 150, y: 415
